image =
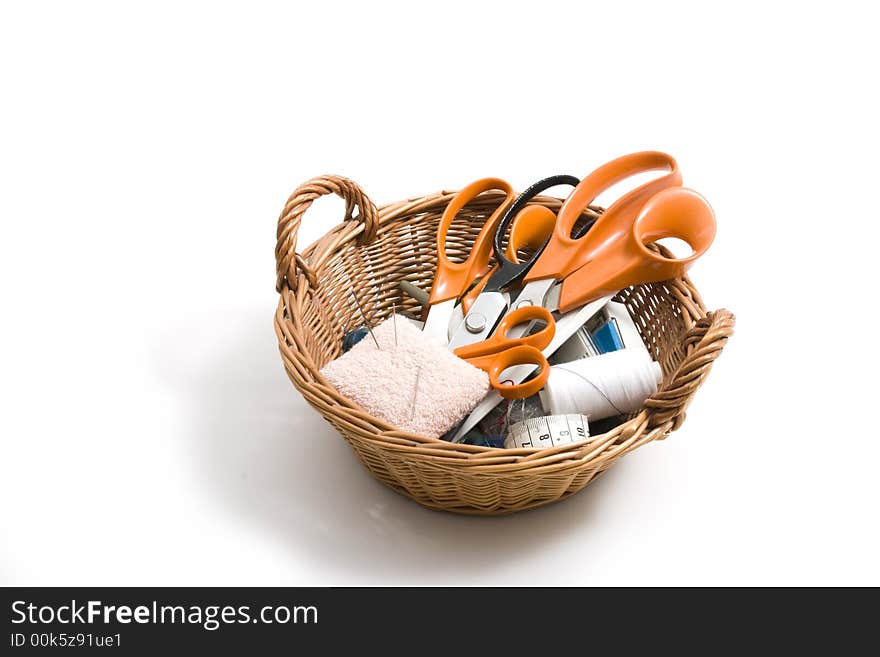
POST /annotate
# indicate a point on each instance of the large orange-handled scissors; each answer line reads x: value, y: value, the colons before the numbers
x: 614, y: 254
x: 500, y: 352
x: 574, y: 269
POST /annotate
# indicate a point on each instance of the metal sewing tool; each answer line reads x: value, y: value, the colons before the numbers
x: 412, y: 411
x: 366, y: 322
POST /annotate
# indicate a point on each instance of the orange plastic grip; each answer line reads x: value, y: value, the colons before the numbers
x: 565, y: 254
x: 453, y: 278
x: 497, y: 353
x: 495, y: 365
x: 674, y: 212
x: 531, y: 227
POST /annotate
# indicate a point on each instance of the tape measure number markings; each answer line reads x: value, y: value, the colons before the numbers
x: 547, y: 431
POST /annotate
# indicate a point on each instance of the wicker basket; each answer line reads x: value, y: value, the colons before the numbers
x: 368, y: 254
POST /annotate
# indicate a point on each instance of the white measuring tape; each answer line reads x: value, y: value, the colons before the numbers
x: 547, y: 431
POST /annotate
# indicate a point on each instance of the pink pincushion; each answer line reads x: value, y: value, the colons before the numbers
x: 383, y: 381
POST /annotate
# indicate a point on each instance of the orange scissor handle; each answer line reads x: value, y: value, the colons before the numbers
x: 495, y: 365
x: 471, y: 295
x: 453, y: 278
x: 531, y: 227
x: 564, y: 254
x: 674, y: 212
x: 497, y: 353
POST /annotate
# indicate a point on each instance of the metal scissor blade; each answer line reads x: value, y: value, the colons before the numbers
x: 436, y: 325
x: 566, y: 326
x: 569, y: 323
x: 455, y: 320
x: 534, y: 294
x: 481, y: 319
x: 551, y: 301
x: 489, y: 307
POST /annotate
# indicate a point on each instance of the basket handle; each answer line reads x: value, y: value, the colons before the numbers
x: 703, y: 344
x: 287, y: 260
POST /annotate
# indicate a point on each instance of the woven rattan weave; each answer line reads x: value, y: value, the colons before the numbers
x: 367, y: 255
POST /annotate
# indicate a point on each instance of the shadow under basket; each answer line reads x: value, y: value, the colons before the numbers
x: 367, y: 256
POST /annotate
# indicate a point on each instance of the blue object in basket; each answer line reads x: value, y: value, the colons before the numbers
x: 607, y: 337
x: 354, y: 336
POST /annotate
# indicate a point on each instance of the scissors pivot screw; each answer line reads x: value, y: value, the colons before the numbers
x: 524, y: 303
x: 475, y: 322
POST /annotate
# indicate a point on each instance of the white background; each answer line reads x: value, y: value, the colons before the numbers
x: 149, y: 433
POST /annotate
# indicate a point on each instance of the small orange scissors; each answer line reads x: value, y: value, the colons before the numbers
x: 500, y: 352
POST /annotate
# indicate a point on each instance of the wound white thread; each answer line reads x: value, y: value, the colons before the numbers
x: 615, y: 383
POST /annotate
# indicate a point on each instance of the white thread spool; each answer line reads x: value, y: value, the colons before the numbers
x: 601, y: 386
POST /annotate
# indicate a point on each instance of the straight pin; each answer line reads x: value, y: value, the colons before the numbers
x: 412, y: 410
x: 366, y: 322
x: 394, y: 321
